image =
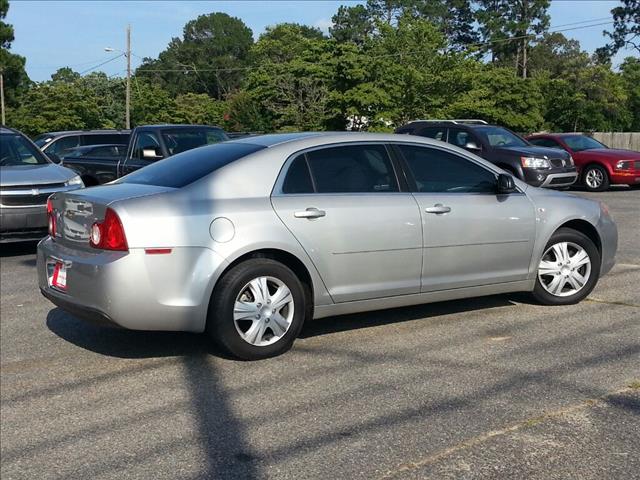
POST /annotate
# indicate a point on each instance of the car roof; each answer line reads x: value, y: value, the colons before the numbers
x: 176, y: 125
x: 453, y: 124
x: 79, y: 132
x: 6, y: 130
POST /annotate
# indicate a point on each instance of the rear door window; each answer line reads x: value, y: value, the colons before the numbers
x: 437, y: 133
x: 461, y: 137
x: 63, y: 144
x: 352, y: 169
x: 146, y: 147
x: 298, y: 179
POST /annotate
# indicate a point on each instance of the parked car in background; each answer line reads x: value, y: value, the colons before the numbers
x: 249, y: 238
x: 147, y: 145
x: 151, y: 143
x: 540, y: 167
x: 598, y: 165
x: 57, y: 144
x: 27, y: 178
x: 95, y: 164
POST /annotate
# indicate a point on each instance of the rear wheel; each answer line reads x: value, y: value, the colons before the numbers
x: 568, y: 270
x: 257, y: 309
x: 595, y: 178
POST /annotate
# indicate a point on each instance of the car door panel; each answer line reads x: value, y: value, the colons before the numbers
x: 472, y: 235
x: 365, y: 246
x: 484, y: 239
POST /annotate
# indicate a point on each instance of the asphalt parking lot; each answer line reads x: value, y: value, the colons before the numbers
x: 495, y: 387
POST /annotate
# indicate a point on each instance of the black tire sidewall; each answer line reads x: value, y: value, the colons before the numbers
x: 220, y: 325
x: 573, y: 236
x: 605, y: 180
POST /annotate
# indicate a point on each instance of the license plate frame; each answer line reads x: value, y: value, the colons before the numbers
x: 57, y: 274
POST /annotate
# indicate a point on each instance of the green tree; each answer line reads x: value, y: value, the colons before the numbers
x: 56, y: 106
x: 198, y: 108
x: 510, y: 27
x: 15, y: 77
x: 454, y: 18
x: 210, y: 57
x: 557, y: 55
x: 626, y: 28
x: 150, y: 103
x: 630, y: 73
x: 351, y: 24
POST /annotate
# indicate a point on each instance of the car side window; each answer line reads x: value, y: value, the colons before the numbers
x: 352, y: 169
x: 64, y: 144
x: 435, y: 170
x: 298, y: 179
x: 146, y: 142
x: 437, y: 133
x: 460, y: 137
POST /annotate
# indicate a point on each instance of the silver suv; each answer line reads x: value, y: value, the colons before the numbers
x: 247, y: 239
x: 27, y: 178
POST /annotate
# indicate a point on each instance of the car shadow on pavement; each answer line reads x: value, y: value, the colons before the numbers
x: 18, y: 249
x: 122, y: 343
x: 378, y: 318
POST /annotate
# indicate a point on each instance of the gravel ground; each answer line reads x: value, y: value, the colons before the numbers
x: 495, y: 387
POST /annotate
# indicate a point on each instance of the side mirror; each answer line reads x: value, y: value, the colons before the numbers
x: 150, y: 153
x: 54, y: 157
x: 472, y: 146
x: 506, y: 184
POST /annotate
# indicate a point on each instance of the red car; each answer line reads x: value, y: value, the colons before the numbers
x: 598, y: 165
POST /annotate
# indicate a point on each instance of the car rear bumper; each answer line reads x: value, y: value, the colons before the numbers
x: 132, y: 289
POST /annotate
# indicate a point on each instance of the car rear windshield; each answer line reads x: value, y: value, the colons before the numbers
x: 187, y: 167
x: 16, y: 150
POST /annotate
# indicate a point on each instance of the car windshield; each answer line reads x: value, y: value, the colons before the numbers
x: 185, y: 168
x: 15, y: 150
x: 578, y: 143
x: 501, y: 137
x: 181, y: 140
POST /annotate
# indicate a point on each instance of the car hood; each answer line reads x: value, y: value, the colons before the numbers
x: 531, y: 151
x: 608, y: 154
x: 18, y: 175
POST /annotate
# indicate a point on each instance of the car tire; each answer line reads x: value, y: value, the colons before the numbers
x: 240, y: 303
x: 595, y: 178
x: 566, y: 269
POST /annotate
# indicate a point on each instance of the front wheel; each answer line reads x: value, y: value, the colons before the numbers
x: 257, y: 309
x: 595, y: 178
x: 568, y: 270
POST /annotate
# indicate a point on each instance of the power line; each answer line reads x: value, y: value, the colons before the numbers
x: 100, y: 64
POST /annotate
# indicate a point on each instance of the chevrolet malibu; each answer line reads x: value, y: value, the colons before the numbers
x: 249, y: 238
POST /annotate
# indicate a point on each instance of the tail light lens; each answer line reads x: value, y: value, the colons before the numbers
x: 109, y: 234
x: 51, y: 219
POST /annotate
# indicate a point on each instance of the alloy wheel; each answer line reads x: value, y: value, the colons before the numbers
x: 263, y: 311
x: 594, y: 178
x: 564, y: 269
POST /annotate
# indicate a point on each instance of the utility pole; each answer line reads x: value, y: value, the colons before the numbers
x: 128, y: 93
x: 2, y: 94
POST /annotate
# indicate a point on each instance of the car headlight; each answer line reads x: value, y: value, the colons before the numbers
x: 75, y: 181
x: 534, y: 162
x: 571, y: 162
x: 624, y: 165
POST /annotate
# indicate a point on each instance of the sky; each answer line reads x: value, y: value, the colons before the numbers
x: 53, y: 34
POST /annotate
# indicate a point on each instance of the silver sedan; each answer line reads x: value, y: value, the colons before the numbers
x: 247, y: 239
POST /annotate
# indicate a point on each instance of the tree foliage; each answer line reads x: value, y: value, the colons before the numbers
x: 15, y: 77
x: 384, y: 62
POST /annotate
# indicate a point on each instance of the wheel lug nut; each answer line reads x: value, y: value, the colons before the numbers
x: 273, y: 311
x: 268, y: 302
x: 257, y: 317
x: 259, y: 305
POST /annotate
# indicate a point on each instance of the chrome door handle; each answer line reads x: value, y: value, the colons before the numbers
x: 438, y: 208
x: 311, y: 212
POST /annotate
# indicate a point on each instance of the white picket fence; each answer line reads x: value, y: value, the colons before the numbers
x: 626, y: 140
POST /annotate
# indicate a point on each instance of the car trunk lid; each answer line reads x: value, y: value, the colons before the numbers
x: 75, y: 212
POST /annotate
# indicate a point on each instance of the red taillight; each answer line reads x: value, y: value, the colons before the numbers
x: 51, y: 218
x: 108, y: 234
